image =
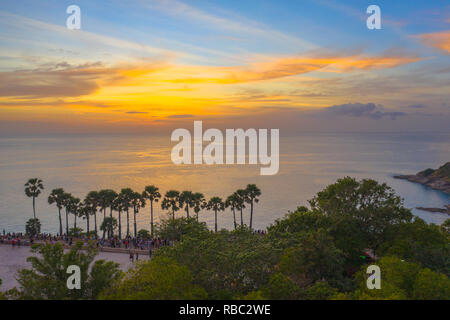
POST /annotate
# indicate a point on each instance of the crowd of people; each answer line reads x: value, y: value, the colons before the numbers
x: 130, y: 243
x: 260, y: 232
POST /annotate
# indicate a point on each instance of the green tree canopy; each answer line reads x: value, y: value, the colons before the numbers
x: 314, y: 258
x: 33, y: 227
x: 158, y: 279
x: 365, y: 208
x: 401, y: 279
x: 47, y: 278
x: 227, y: 263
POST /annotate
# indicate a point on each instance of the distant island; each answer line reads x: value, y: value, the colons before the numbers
x: 440, y: 210
x: 438, y: 179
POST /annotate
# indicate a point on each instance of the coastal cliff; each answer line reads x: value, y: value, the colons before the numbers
x: 438, y: 179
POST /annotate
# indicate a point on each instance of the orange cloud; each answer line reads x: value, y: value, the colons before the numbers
x: 65, y: 80
x: 438, y: 40
x: 274, y: 68
x: 157, y: 89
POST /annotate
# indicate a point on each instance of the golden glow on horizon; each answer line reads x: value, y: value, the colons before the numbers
x: 147, y: 91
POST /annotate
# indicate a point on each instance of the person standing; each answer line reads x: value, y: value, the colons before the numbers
x: 131, y: 256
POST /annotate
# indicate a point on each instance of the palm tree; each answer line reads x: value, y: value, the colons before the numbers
x: 253, y: 192
x: 33, y: 188
x: 111, y: 197
x: 242, y: 198
x: 57, y: 197
x: 138, y: 202
x: 74, y: 208
x: 67, y: 203
x: 186, y: 200
x: 118, y: 206
x: 151, y: 193
x: 199, y: 202
x: 85, y: 211
x: 170, y: 201
x: 92, y: 200
x: 127, y: 195
x: 102, y: 202
x: 215, y: 204
x: 106, y: 199
x: 108, y: 224
x: 233, y: 202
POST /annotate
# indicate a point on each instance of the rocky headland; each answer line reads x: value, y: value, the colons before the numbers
x: 438, y: 179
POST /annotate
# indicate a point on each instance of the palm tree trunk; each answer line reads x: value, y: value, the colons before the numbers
x: 34, y: 208
x: 173, y: 214
x: 215, y: 220
x: 120, y: 227
x: 67, y: 222
x: 151, y: 218
x: 128, y: 224
x: 135, y: 232
x: 234, y: 218
x: 75, y: 221
x: 110, y: 232
x: 87, y: 224
x: 95, y: 223
x: 187, y: 211
x: 242, y: 219
x: 251, y: 214
x: 60, y: 222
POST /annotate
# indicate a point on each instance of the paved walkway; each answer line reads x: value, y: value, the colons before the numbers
x: 13, y: 259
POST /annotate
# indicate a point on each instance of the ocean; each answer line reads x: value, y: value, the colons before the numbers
x: 308, y: 163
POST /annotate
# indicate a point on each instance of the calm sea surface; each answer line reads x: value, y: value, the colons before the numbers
x: 309, y: 163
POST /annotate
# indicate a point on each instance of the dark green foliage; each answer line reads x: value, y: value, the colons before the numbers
x: 280, y: 287
x: 176, y: 229
x: 419, y: 242
x: 320, y: 290
x: 143, y: 234
x: 404, y: 280
x: 443, y: 171
x: 227, y: 264
x: 75, y: 232
x: 158, y: 279
x: 108, y: 224
x: 314, y: 258
x: 426, y: 172
x: 47, y: 278
x: 33, y: 227
x: 2, y: 295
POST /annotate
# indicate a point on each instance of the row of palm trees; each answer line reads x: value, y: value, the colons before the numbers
x: 128, y: 199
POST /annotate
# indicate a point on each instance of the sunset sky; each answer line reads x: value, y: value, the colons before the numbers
x: 154, y: 65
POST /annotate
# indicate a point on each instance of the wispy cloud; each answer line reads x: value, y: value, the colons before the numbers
x: 180, y: 116
x: 417, y: 106
x: 280, y: 67
x: 438, y: 40
x: 65, y: 38
x: 62, y: 79
x: 240, y: 26
x: 136, y: 112
x: 366, y: 110
x: 65, y: 80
